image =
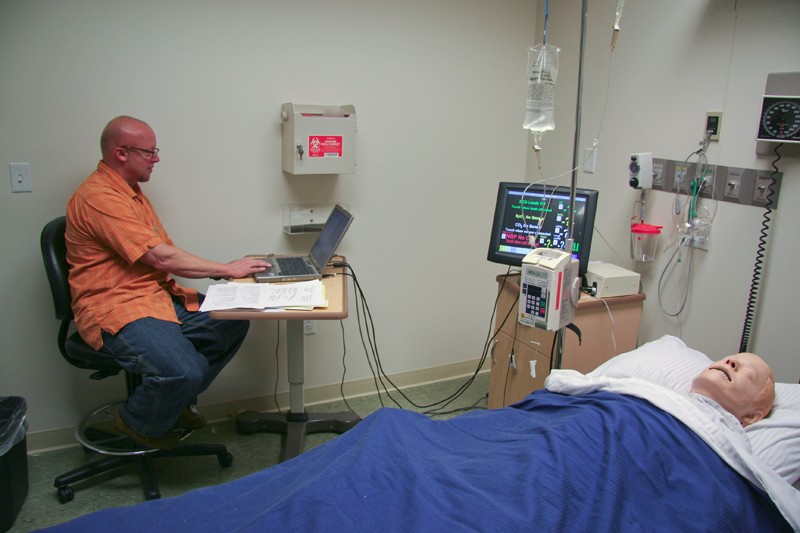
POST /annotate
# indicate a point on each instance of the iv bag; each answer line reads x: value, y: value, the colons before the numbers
x: 542, y: 74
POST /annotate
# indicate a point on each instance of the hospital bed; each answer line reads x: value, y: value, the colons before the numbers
x: 624, y: 448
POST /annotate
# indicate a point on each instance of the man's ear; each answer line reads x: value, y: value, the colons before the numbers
x: 119, y: 153
x: 752, y: 417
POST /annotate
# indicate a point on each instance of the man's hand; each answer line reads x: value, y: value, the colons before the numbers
x: 244, y: 267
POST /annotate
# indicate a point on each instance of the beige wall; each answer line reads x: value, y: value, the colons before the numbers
x: 674, y: 61
x: 438, y: 90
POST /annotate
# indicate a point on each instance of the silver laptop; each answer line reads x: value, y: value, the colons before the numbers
x: 307, y: 267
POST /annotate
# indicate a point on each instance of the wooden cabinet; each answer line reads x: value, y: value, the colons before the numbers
x: 521, y: 355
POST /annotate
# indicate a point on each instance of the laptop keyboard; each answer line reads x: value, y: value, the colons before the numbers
x: 294, y: 266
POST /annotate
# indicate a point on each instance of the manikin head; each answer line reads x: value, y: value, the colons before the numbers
x: 742, y: 384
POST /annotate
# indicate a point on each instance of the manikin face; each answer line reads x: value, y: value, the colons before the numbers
x: 737, y: 383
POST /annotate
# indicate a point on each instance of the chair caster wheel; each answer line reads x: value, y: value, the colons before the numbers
x: 225, y: 459
x: 66, y: 494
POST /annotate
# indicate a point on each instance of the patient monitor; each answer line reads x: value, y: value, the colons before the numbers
x: 549, y: 288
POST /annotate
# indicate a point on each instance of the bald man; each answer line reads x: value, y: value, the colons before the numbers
x: 126, y: 302
x: 742, y: 384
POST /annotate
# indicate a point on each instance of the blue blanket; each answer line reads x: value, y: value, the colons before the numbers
x: 600, y: 462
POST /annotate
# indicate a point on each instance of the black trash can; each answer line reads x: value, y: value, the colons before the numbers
x: 13, y: 459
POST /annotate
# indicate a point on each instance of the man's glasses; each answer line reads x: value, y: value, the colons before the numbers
x: 151, y: 154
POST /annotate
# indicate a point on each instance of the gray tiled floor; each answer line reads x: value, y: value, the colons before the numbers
x: 176, y: 476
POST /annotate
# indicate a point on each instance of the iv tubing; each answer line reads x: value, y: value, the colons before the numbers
x: 615, y: 29
x: 546, y: 16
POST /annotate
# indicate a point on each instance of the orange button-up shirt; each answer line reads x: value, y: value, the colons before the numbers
x: 110, y: 226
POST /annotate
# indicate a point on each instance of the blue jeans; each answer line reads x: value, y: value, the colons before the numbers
x: 177, y: 362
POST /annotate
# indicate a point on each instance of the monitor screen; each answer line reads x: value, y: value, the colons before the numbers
x: 525, y: 211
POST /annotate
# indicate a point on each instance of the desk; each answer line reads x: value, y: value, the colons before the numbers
x: 298, y: 422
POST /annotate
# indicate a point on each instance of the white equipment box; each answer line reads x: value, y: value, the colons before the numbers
x: 611, y: 280
x: 319, y: 139
x: 549, y: 289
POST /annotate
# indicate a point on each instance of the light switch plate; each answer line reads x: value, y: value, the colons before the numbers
x: 20, y: 177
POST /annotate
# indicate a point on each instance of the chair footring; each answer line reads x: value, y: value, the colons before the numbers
x: 144, y: 464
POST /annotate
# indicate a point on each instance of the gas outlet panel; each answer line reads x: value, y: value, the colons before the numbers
x: 743, y: 186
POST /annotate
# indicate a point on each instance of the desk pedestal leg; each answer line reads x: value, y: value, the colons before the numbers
x: 295, y: 352
x: 298, y: 422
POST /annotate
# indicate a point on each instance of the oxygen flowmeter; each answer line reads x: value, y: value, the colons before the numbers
x: 549, y: 289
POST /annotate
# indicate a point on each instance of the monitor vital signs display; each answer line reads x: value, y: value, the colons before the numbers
x: 525, y: 213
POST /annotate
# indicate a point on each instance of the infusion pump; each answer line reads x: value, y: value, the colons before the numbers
x: 549, y: 289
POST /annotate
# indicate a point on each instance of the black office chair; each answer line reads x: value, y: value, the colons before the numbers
x: 95, y: 432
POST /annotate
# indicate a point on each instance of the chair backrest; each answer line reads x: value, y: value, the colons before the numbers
x: 54, y: 253
x: 72, y: 347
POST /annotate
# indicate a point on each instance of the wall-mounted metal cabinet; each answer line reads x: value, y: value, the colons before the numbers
x: 319, y: 139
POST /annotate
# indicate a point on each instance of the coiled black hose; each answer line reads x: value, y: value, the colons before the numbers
x: 762, y: 245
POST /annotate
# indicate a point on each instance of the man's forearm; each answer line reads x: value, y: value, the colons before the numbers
x: 178, y: 262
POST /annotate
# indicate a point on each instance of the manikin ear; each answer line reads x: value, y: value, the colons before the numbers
x: 752, y: 417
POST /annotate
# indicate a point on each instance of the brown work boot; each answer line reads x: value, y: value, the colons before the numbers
x: 190, y: 419
x: 169, y: 440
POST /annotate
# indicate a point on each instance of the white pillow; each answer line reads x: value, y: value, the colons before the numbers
x: 776, y: 439
x: 666, y: 361
x: 670, y: 363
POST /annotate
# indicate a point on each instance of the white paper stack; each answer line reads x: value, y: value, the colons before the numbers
x: 301, y: 295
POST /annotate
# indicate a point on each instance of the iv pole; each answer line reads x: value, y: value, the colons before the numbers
x: 576, y: 143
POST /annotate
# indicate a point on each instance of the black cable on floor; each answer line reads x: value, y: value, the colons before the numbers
x: 380, y: 377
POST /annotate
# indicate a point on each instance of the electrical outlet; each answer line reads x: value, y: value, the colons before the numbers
x: 699, y: 241
x: 733, y: 183
x: 309, y: 327
x: 590, y: 160
x: 761, y: 190
x: 707, y: 181
x: 659, y: 171
x: 680, y: 181
x: 713, y: 125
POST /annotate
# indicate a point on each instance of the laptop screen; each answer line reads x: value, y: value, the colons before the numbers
x: 330, y: 236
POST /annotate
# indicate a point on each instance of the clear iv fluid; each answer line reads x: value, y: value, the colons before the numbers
x: 540, y: 105
x: 542, y: 74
